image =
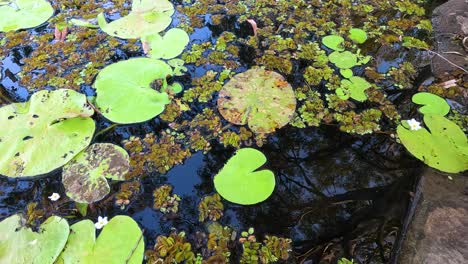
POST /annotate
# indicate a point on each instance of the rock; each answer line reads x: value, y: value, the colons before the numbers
x: 450, y: 24
x: 438, y: 232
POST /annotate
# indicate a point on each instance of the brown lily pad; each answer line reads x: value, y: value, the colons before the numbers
x: 84, y: 177
x: 262, y: 99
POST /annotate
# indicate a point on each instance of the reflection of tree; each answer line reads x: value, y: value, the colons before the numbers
x: 329, y: 186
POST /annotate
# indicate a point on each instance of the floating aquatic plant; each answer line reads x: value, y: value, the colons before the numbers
x: 84, y: 177
x: 20, y: 244
x: 239, y: 182
x: 357, y: 35
x: 210, y: 208
x: 120, y: 241
x: 353, y: 87
x: 164, y: 201
x: 343, y: 60
x: 44, y: 133
x: 146, y: 17
x: 333, y: 42
x: 433, y: 104
x: 262, y: 99
x: 169, y: 46
x: 443, y: 145
x: 171, y: 249
x: 20, y: 14
x: 124, y: 92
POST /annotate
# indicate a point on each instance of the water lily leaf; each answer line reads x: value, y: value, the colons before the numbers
x: 124, y: 94
x: 354, y: 87
x: 119, y: 242
x: 19, y: 244
x: 82, y: 23
x: 357, y: 35
x: 238, y: 182
x: 84, y: 177
x: 146, y: 17
x: 343, y: 60
x: 444, y: 146
x: 433, y: 104
x: 175, y: 87
x: 333, y: 42
x: 262, y: 99
x: 45, y: 133
x: 169, y: 46
x: 18, y: 14
x: 347, y: 73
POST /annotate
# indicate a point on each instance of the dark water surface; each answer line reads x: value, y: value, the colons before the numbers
x: 336, y: 194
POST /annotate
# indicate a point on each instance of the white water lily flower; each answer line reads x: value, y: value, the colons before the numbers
x: 54, y: 197
x: 102, y: 221
x: 413, y: 124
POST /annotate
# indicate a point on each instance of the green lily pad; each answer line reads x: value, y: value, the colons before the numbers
x: 18, y: 14
x: 262, y: 99
x: 347, y: 73
x: 238, y: 182
x: 176, y: 87
x: 120, y: 241
x: 169, y: 46
x: 354, y: 87
x: 20, y: 245
x: 44, y: 133
x: 83, y: 23
x: 84, y: 177
x: 357, y: 35
x: 124, y: 94
x: 433, y: 104
x: 333, y: 42
x: 146, y: 17
x: 343, y: 60
x: 444, y: 146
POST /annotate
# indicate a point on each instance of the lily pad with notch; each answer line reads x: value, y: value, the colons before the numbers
x: 84, y: 177
x: 433, y: 104
x: 20, y: 244
x: 120, y: 241
x: 262, y: 99
x: 124, y: 93
x: 21, y: 14
x: 333, y: 42
x: 169, y: 46
x: 443, y: 146
x: 146, y: 17
x: 44, y: 133
x: 239, y: 182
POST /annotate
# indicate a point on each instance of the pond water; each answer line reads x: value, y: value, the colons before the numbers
x: 337, y: 194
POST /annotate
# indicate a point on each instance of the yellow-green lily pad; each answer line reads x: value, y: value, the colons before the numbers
x: 169, y: 46
x: 19, y: 14
x: 124, y: 92
x: 44, y: 133
x: 84, y: 177
x: 262, y: 99
x: 19, y: 244
x: 433, y: 104
x: 239, y: 182
x: 121, y: 241
x: 146, y: 17
x: 444, y: 146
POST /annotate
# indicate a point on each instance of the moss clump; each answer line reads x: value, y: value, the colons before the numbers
x: 210, y: 208
x: 127, y: 191
x: 154, y: 153
x: 164, y: 201
x: 171, y: 249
